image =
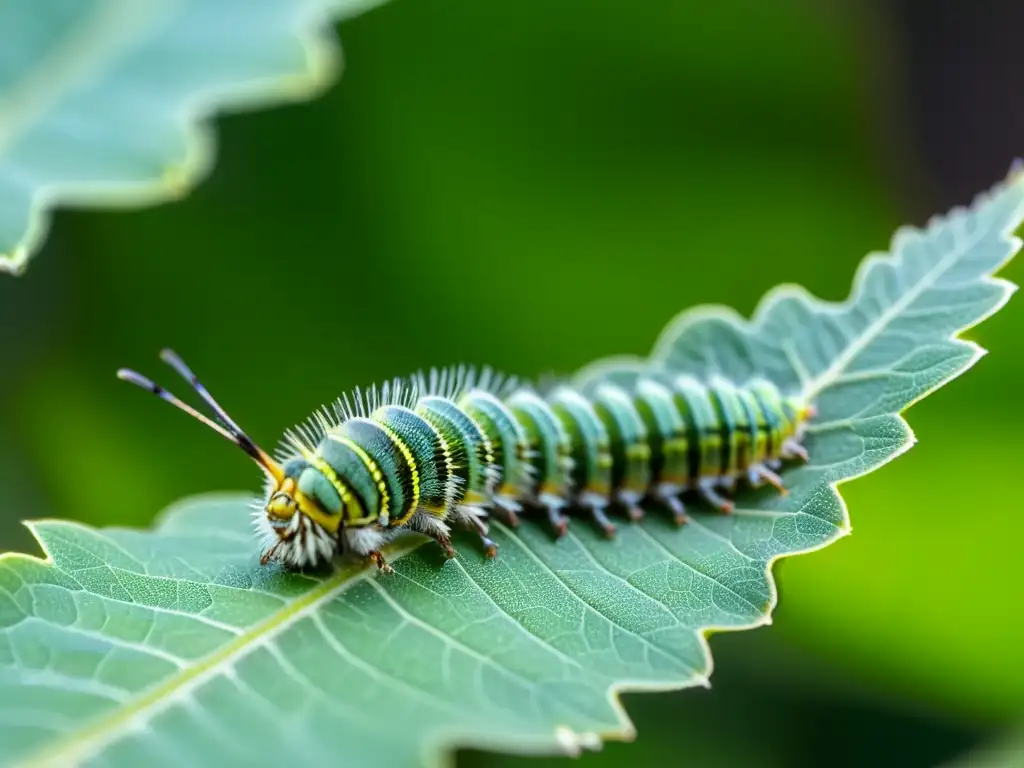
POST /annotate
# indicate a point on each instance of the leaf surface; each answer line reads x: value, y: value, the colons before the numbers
x: 173, y: 646
x: 102, y: 101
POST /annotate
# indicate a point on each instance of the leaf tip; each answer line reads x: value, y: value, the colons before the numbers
x: 178, y: 180
x: 14, y: 263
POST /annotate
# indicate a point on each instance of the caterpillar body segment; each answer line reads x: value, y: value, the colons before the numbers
x: 631, y: 470
x: 549, y: 450
x: 455, y: 447
x: 669, y: 444
x: 510, y: 450
x: 425, y: 457
x: 590, y: 470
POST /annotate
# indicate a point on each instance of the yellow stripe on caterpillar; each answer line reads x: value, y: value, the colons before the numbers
x: 349, y: 502
x: 375, y: 473
x: 451, y: 484
x: 411, y: 461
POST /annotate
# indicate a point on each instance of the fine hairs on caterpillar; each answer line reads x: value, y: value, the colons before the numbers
x: 457, y: 446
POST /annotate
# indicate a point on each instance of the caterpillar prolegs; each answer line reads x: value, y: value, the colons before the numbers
x: 457, y: 447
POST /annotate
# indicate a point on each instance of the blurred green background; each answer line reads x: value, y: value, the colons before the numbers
x: 535, y: 184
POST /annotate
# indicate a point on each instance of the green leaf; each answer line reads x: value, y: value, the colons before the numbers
x: 1005, y: 751
x: 104, y: 102
x: 130, y: 647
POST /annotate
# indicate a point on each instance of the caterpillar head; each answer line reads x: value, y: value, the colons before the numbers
x: 294, y: 527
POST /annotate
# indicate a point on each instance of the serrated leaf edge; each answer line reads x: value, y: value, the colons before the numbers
x: 785, y: 291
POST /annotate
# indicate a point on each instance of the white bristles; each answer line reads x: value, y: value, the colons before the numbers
x: 305, y: 543
x: 449, y: 383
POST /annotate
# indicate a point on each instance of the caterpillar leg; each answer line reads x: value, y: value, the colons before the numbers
x: 476, y: 520
x: 759, y: 474
x: 508, y: 510
x: 634, y: 512
x: 629, y: 502
x: 490, y: 546
x: 446, y: 545
x: 433, y: 526
x: 791, y: 449
x: 269, y: 554
x: 706, y: 490
x: 366, y: 542
x: 673, y: 504
x: 594, y: 504
x: 557, y: 520
x: 377, y: 559
x: 597, y: 514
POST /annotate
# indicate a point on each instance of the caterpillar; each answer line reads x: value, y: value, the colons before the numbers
x: 457, y: 446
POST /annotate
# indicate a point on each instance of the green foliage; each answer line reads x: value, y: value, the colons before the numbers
x: 101, y: 100
x: 133, y: 645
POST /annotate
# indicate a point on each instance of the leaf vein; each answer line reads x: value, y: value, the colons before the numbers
x: 447, y: 637
x: 879, y: 324
x: 600, y: 614
x: 115, y: 642
x: 525, y: 630
x: 377, y: 673
x: 672, y: 556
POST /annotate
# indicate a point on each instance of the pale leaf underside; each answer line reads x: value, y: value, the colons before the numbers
x: 102, y: 102
x: 173, y: 646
